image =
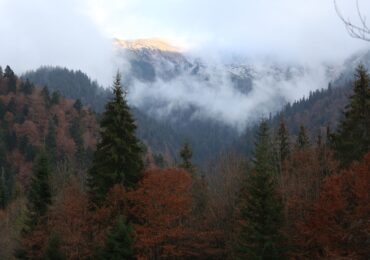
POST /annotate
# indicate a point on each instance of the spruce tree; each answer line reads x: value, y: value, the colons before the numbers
x: 39, y: 194
x: 302, y: 140
x: 2, y: 189
x: 186, y: 154
x: 53, y: 251
x: 51, y: 143
x: 78, y: 105
x: 261, y: 210
x: 119, y: 243
x: 118, y: 157
x: 1, y: 72
x: 352, y: 139
x: 12, y: 79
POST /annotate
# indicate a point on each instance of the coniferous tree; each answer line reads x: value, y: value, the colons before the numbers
x: 76, y: 134
x: 283, y: 140
x: 12, y: 79
x: 118, y: 157
x: 12, y: 106
x: 119, y: 243
x: 78, y: 105
x: 352, y: 140
x: 51, y: 143
x: 27, y: 87
x: 261, y: 212
x: 186, y: 154
x: 2, y: 189
x: 39, y: 195
x: 1, y: 72
x: 53, y: 251
x: 302, y: 140
x: 55, y: 98
x: 46, y: 96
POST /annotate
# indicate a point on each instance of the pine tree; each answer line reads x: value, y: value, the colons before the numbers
x: 118, y: 158
x: 186, y: 154
x: 39, y: 195
x: 53, y: 251
x: 119, y: 244
x: 2, y: 189
x: 12, y: 79
x: 27, y: 87
x: 1, y: 72
x: 55, y: 98
x: 46, y: 96
x: 261, y: 212
x: 352, y: 140
x: 302, y: 140
x: 51, y: 143
x: 282, y: 148
x: 78, y: 105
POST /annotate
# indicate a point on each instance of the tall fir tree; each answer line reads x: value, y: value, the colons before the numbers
x: 118, y: 157
x: 303, y: 140
x: 53, y: 251
x: 2, y: 188
x: 282, y: 145
x: 186, y: 154
x: 261, y: 212
x: 51, y: 142
x: 39, y: 194
x: 12, y: 79
x: 119, y: 243
x: 352, y: 139
x: 1, y: 72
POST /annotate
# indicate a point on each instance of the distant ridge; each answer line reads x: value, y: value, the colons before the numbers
x: 150, y: 43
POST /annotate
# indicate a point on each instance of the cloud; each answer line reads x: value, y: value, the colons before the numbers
x: 48, y: 32
x: 218, y: 98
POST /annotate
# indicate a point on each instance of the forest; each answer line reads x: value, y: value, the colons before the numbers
x: 76, y: 184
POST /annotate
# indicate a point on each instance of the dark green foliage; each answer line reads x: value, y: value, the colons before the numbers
x: 50, y: 142
x: 283, y: 140
x: 2, y: 189
x: 12, y: 79
x: 2, y: 110
x: 119, y: 243
x: 12, y: 106
x: 11, y: 140
x: 352, y: 140
x: 118, y: 158
x: 78, y: 105
x: 302, y: 140
x: 39, y: 194
x: 55, y: 98
x: 46, y: 96
x: 1, y: 72
x: 186, y: 154
x: 53, y: 251
x: 76, y: 134
x: 71, y: 84
x: 27, y: 87
x: 261, y: 210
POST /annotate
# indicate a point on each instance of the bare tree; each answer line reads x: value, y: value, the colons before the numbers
x: 360, y: 30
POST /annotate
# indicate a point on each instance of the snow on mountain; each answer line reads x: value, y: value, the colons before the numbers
x: 163, y: 81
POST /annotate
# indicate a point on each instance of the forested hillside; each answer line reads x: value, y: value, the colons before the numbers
x: 296, y: 196
x: 163, y: 137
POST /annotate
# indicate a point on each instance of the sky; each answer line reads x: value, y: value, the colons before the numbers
x: 78, y: 33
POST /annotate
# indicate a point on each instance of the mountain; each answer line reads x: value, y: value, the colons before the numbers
x: 32, y: 119
x: 178, y: 97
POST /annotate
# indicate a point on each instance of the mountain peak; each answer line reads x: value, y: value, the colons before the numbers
x: 151, y: 43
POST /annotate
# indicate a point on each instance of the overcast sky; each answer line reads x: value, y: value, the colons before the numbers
x: 78, y: 33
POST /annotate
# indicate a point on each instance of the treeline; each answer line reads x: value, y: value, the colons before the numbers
x: 297, y: 197
x: 33, y: 119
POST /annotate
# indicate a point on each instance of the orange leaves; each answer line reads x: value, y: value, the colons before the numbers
x: 161, y: 206
x: 339, y: 223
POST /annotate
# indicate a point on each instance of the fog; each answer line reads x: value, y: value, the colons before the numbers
x: 78, y: 35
